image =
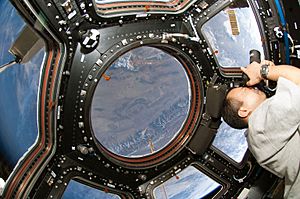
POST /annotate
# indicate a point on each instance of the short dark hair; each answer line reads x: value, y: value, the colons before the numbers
x: 230, y: 113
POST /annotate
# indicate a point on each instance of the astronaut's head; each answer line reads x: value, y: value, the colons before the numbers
x: 239, y: 104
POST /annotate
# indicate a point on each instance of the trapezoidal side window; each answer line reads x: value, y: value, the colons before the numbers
x: 19, y: 88
x: 231, y: 34
x: 81, y: 191
x: 190, y: 183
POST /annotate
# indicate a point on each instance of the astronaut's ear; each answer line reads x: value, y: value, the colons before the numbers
x: 243, y: 112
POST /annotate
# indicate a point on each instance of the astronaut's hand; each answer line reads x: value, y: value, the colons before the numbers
x: 253, y: 72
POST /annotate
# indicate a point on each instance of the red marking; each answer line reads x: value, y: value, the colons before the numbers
x: 177, y: 177
x: 106, y: 77
x: 147, y: 8
x: 51, y: 105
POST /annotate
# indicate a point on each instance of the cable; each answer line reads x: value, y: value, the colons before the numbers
x: 5, y: 66
x: 196, y: 38
x: 292, y: 42
x: 285, y: 34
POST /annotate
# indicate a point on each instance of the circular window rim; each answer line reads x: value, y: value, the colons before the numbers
x: 176, y: 131
x: 175, y: 145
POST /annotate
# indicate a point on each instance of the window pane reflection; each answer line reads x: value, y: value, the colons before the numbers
x: 232, y: 33
x: 188, y: 184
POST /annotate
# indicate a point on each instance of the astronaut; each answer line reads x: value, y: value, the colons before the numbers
x: 273, y: 123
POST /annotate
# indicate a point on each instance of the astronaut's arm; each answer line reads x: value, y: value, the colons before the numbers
x: 273, y: 73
